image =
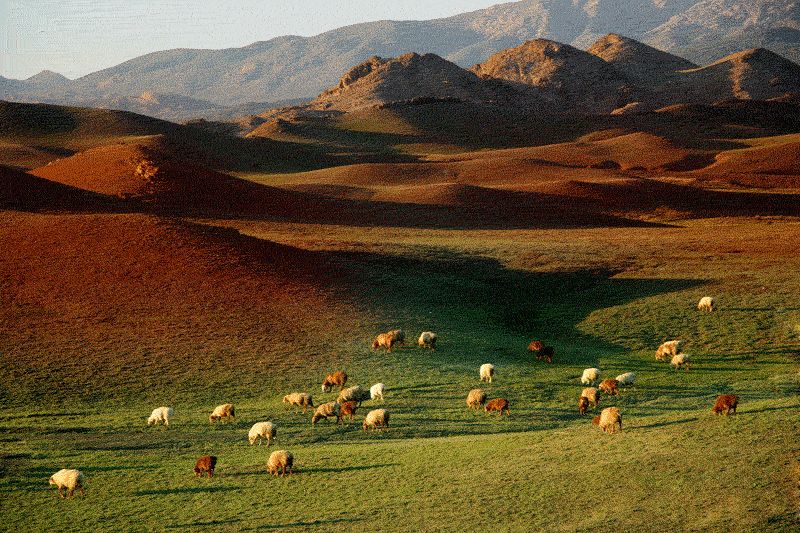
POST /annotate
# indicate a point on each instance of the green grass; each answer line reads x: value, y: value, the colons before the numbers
x: 602, y: 297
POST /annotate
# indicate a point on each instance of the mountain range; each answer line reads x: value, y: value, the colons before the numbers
x: 196, y: 82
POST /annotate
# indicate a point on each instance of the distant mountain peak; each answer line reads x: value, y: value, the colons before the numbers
x: 48, y: 77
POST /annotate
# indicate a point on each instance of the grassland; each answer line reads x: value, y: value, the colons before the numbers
x: 603, y: 297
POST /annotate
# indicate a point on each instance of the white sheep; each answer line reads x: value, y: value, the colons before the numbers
x: 300, y: 399
x: 667, y: 349
x: 680, y: 360
x: 376, y: 391
x: 262, y: 430
x: 706, y: 303
x: 280, y: 463
x: 376, y: 418
x: 487, y: 372
x: 160, y: 415
x: 626, y: 379
x: 590, y: 375
x: 427, y: 339
x: 353, y: 394
x: 68, y: 479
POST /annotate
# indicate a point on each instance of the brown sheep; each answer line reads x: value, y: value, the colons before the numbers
x: 299, y: 399
x: 280, y: 463
x: 499, y: 405
x: 327, y: 410
x: 205, y: 465
x: 476, y: 398
x: 226, y: 410
x: 727, y: 403
x: 347, y: 409
x: 384, y: 340
x: 610, y: 387
x: 337, y: 378
x: 668, y: 348
x: 546, y: 354
x: 590, y: 393
x: 535, y: 346
x: 583, y: 405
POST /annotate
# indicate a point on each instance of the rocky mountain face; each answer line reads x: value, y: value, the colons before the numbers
x: 292, y: 66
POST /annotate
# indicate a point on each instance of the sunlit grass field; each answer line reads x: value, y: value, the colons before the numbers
x: 601, y: 297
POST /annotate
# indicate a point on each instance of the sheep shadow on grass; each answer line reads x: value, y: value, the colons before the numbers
x: 183, y: 490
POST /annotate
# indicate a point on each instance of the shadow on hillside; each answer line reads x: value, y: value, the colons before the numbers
x: 667, y: 423
x: 347, y: 468
x: 310, y: 524
x: 205, y: 525
x: 184, y: 490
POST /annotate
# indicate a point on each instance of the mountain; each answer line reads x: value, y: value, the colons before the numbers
x: 572, y: 78
x: 409, y: 77
x: 293, y: 66
x: 47, y: 79
x: 639, y: 62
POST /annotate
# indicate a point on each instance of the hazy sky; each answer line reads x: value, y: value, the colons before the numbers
x: 76, y: 37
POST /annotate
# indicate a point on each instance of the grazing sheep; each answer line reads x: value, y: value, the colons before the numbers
x: 376, y: 391
x: 280, y: 462
x: 680, y: 360
x: 590, y: 393
x: 609, y: 386
x: 706, y: 303
x: 376, y: 418
x: 499, y: 405
x: 583, y: 405
x: 160, y: 415
x: 226, y: 410
x: 476, y: 398
x: 546, y: 354
x: 205, y: 465
x: 262, y: 430
x: 69, y: 480
x: 487, y: 372
x: 427, y: 339
x: 590, y: 375
x: 623, y: 380
x: 327, y: 410
x: 348, y: 409
x: 666, y: 349
x: 337, y: 378
x: 353, y: 394
x: 535, y: 346
x: 389, y: 339
x: 299, y: 399
x: 727, y: 403
x: 609, y: 420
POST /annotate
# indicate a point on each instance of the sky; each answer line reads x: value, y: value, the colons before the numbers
x: 76, y: 37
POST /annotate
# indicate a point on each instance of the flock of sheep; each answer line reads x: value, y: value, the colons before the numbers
x: 281, y: 462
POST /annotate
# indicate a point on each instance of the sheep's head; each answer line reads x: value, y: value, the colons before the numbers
x: 286, y: 399
x: 375, y: 344
x: 52, y: 481
x: 211, y: 418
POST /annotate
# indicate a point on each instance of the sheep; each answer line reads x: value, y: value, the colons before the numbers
x: 487, y: 372
x: 205, y: 465
x: 626, y: 379
x: 262, y: 430
x: 299, y: 399
x: 376, y: 418
x: 376, y: 391
x: 226, y: 410
x: 609, y: 420
x: 583, y: 405
x: 590, y: 393
x: 159, y: 415
x: 546, y: 354
x: 680, y: 360
x: 398, y: 335
x: 348, y: 409
x: 389, y: 339
x: 337, y: 378
x: 354, y: 394
x: 706, y: 303
x: 590, y: 375
x: 476, y: 398
x: 280, y: 462
x: 666, y: 349
x: 499, y: 405
x: 327, y: 410
x: 427, y: 339
x: 727, y: 403
x: 68, y: 479
x: 535, y: 346
x: 609, y: 386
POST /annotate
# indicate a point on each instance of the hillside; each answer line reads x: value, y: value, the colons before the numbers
x: 293, y: 66
x: 572, y: 79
